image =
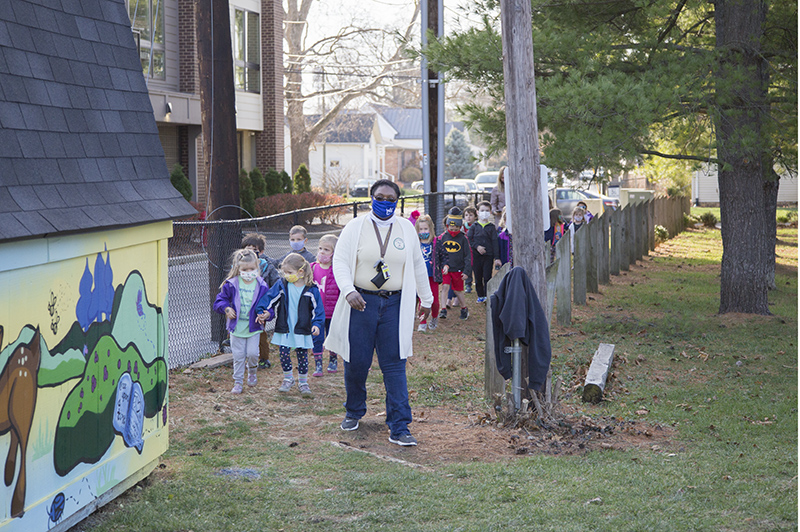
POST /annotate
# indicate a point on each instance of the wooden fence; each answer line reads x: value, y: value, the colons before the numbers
x: 609, y: 244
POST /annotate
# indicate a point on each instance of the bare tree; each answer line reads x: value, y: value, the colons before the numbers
x: 348, y: 65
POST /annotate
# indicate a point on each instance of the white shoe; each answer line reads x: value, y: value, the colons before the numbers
x: 433, y: 323
x: 422, y: 327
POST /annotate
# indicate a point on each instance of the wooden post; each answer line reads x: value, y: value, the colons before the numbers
x: 598, y: 372
x: 552, y: 276
x: 604, y: 276
x: 433, y: 116
x: 624, y: 254
x: 593, y: 248
x: 493, y: 382
x: 579, y: 264
x: 564, y: 282
x: 615, y: 237
x: 633, y: 234
x: 651, y: 226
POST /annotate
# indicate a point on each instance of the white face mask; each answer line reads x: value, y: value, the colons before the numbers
x: 249, y: 276
x: 484, y: 215
x: 578, y: 219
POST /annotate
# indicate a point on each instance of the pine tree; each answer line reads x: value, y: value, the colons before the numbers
x: 246, y: 197
x: 259, y: 185
x: 286, y: 182
x: 302, y: 179
x: 274, y: 182
x: 181, y: 183
x: 458, y: 159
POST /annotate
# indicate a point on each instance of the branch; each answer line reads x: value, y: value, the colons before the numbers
x: 680, y: 157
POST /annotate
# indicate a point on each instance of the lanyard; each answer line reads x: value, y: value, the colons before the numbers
x: 385, y: 243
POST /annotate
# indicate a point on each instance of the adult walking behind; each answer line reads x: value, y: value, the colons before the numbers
x: 380, y: 271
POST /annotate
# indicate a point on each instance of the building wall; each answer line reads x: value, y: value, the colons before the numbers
x: 350, y: 158
x: 270, y: 139
x: 705, y: 187
x: 83, y: 352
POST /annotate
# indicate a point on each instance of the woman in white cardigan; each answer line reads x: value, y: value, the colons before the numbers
x: 380, y: 271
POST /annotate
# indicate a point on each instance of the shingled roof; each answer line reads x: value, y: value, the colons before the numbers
x: 79, y: 146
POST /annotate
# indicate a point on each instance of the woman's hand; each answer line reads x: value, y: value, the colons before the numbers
x: 464, y: 276
x: 497, y: 264
x: 315, y: 331
x: 356, y: 301
x: 481, y: 250
x: 425, y: 312
x: 230, y: 313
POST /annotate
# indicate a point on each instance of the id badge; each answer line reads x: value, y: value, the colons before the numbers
x: 384, y: 270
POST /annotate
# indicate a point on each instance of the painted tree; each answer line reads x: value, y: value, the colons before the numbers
x: 350, y: 64
x: 686, y: 80
x: 458, y: 159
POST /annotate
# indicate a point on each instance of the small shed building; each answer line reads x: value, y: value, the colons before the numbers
x: 85, y: 214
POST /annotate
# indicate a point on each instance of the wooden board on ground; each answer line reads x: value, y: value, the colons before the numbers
x: 223, y: 359
x: 598, y: 373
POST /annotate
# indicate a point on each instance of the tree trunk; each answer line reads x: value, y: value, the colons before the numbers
x: 741, y: 145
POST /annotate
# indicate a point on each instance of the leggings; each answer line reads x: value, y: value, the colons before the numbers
x: 482, y: 268
x: 302, y: 359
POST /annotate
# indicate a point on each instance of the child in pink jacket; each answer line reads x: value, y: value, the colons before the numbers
x: 323, y: 277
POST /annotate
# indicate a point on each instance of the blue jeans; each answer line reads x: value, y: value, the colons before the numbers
x: 377, y: 329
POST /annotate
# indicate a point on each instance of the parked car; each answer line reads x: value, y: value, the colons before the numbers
x: 566, y: 199
x: 486, y: 181
x: 470, y: 184
x: 361, y: 188
x: 456, y: 185
x: 418, y: 185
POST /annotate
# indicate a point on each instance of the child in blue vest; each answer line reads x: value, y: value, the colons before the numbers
x: 296, y: 305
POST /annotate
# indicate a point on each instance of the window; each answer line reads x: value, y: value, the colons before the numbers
x: 334, y: 164
x: 147, y: 20
x: 246, y: 51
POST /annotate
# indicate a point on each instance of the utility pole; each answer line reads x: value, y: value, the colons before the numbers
x: 218, y: 107
x: 218, y: 115
x: 523, y: 174
x: 432, y: 114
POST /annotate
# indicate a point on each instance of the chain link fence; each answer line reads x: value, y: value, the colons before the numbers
x: 199, y: 253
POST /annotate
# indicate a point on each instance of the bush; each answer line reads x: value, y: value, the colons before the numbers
x: 708, y: 219
x: 259, y: 185
x: 409, y: 174
x: 661, y: 234
x: 286, y: 183
x: 273, y: 182
x: 302, y: 179
x: 281, y: 203
x: 181, y: 183
x: 689, y: 220
x: 246, y: 198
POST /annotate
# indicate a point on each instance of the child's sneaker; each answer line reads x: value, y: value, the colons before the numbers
x: 252, y: 379
x: 481, y: 300
x: 433, y: 323
x: 422, y: 327
x: 264, y: 364
x: 468, y: 289
x: 305, y: 391
x: 333, y: 366
x: 237, y: 389
x: 443, y: 314
x: 317, y: 369
x: 286, y: 385
x: 464, y: 313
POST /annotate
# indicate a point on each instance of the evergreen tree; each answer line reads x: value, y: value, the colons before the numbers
x: 458, y: 159
x: 180, y: 181
x: 688, y: 80
x: 274, y: 182
x: 286, y: 182
x: 248, y: 201
x: 259, y: 185
x: 302, y: 179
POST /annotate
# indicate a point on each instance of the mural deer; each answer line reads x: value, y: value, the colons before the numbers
x: 18, y: 388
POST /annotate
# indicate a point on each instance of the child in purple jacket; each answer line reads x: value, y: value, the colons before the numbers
x: 323, y: 277
x: 237, y: 299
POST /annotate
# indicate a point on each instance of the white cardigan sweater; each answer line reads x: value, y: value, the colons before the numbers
x: 415, y: 274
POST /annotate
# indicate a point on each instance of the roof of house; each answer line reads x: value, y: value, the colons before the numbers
x: 408, y: 121
x: 347, y: 128
x: 79, y: 146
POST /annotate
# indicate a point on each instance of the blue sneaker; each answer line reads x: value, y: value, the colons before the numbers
x: 481, y: 300
x: 404, y: 440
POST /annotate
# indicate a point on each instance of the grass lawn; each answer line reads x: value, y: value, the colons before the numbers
x: 701, y: 412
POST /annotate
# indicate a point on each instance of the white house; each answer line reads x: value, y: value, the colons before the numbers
x: 705, y: 187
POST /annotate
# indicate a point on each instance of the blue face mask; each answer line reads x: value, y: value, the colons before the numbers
x: 297, y: 246
x: 383, y: 209
x: 424, y: 236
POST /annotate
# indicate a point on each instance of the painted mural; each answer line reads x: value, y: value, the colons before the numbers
x: 83, y: 388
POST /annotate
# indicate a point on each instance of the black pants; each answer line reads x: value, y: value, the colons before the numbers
x: 482, y: 270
